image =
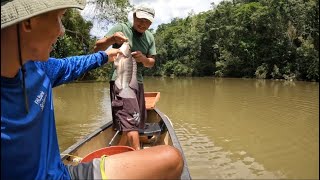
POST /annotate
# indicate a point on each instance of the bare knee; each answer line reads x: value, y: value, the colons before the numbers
x: 132, y: 133
x: 169, y: 164
x: 174, y: 161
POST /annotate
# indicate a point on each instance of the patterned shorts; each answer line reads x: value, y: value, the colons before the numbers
x: 128, y: 114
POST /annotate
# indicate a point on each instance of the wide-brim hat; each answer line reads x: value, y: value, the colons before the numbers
x: 145, y: 11
x: 15, y: 11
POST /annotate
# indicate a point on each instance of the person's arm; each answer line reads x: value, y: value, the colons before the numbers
x: 147, y: 61
x: 104, y: 43
x: 64, y: 70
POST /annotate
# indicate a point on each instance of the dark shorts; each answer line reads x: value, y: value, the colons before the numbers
x: 89, y: 170
x: 128, y: 114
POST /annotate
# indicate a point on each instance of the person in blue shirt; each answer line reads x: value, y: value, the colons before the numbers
x: 29, y: 143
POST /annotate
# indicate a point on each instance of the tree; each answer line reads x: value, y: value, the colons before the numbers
x: 109, y: 11
x: 244, y: 38
x: 77, y: 39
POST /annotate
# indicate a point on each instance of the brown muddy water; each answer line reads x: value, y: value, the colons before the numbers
x: 228, y: 128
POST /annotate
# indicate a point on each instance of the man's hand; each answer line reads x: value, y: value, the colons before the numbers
x: 105, y: 42
x: 112, y: 54
x: 119, y: 38
x: 145, y: 60
x: 138, y: 56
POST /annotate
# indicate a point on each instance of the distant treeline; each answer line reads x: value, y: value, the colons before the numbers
x: 241, y: 38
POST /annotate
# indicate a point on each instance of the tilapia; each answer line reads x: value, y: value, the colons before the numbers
x: 126, y: 81
x: 126, y: 67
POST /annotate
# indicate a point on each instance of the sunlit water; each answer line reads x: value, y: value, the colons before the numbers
x: 228, y: 128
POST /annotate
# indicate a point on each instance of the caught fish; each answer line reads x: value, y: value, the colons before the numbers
x: 126, y: 82
x: 126, y: 67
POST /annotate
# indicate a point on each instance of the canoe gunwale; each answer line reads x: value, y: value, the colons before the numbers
x: 87, y: 138
x: 185, y: 173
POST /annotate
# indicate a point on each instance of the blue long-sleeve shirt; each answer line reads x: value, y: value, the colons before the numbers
x: 29, y: 144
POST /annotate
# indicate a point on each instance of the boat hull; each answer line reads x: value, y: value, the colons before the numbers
x: 102, y: 136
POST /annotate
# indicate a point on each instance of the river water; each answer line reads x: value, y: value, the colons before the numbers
x: 228, y: 128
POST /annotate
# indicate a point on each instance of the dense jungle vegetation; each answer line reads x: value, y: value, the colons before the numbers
x: 264, y: 39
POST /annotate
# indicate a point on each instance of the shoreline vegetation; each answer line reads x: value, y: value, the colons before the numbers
x: 262, y: 39
x: 106, y: 80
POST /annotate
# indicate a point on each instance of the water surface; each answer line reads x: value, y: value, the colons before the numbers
x: 228, y: 128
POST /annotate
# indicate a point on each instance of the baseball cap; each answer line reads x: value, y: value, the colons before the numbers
x: 145, y: 11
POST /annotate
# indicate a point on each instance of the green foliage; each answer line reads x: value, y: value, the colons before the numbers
x: 110, y: 11
x: 175, y: 68
x: 181, y: 40
x: 276, y: 72
x: 288, y: 73
x: 308, y: 61
x: 240, y: 38
x: 245, y: 38
x: 262, y: 71
x: 76, y: 40
x: 100, y: 74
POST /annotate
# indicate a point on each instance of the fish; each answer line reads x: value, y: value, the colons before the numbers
x: 126, y: 81
x: 126, y: 67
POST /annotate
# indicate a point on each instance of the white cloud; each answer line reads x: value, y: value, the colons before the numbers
x: 165, y: 11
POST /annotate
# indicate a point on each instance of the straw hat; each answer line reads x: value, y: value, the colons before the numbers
x: 15, y: 11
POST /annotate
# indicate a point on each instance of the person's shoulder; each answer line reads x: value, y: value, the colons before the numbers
x: 115, y: 28
x: 119, y: 27
x: 123, y: 24
x: 127, y: 25
x: 149, y: 34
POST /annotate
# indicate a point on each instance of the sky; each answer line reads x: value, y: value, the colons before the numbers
x: 165, y: 11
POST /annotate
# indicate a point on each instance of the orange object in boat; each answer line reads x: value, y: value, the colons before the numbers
x: 108, y: 151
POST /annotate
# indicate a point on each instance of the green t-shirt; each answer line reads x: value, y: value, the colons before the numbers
x: 144, y: 43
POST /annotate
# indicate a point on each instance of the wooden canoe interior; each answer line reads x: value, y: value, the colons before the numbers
x: 151, y: 99
x: 102, y: 137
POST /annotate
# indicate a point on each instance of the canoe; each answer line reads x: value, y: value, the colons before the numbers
x: 159, y: 132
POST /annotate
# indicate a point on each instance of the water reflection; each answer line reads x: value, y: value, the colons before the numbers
x: 217, y: 162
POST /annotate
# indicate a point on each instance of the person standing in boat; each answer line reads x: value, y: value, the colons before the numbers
x: 29, y: 143
x: 143, y: 51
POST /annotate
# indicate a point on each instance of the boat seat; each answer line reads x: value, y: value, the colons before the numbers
x: 150, y: 129
x: 150, y: 134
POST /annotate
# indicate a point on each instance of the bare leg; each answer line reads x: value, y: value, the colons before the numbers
x: 159, y: 162
x: 124, y: 139
x: 133, y: 137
